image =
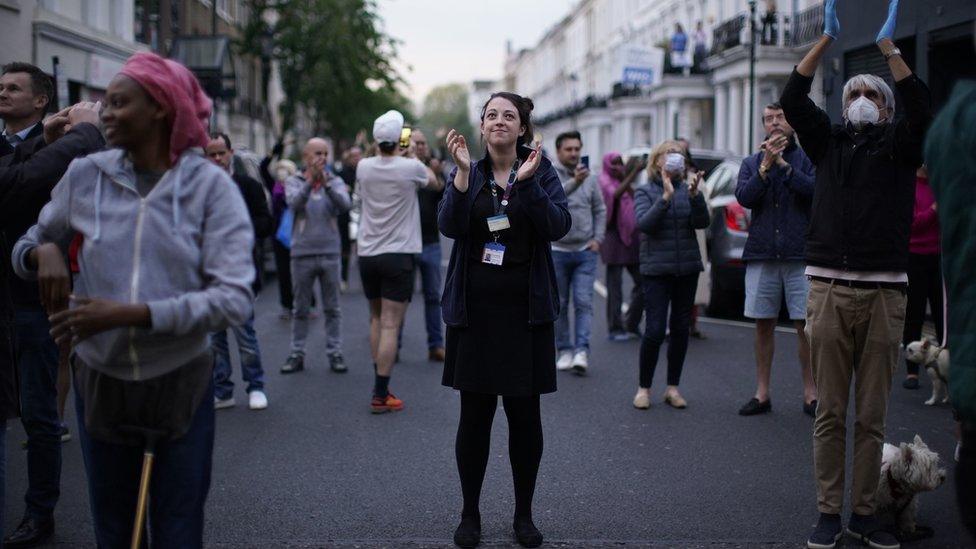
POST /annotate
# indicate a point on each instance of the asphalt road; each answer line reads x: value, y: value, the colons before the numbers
x: 316, y: 469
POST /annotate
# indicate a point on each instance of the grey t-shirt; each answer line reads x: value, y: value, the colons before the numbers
x: 390, y: 218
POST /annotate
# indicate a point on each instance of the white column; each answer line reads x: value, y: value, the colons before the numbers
x: 735, y: 116
x: 721, y: 115
x: 744, y: 144
x: 674, y: 108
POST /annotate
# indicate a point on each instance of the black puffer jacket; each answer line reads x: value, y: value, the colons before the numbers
x: 668, y: 245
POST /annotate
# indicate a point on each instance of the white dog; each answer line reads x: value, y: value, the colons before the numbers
x: 935, y: 359
x: 907, y: 470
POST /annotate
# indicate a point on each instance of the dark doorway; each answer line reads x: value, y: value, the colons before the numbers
x: 951, y: 58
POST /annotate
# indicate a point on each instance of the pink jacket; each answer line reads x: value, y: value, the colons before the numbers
x: 925, y: 224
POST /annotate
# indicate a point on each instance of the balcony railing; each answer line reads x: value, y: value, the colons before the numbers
x: 730, y: 34
x: 807, y: 25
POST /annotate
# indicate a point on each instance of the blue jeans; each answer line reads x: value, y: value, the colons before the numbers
x: 37, y: 364
x: 251, y: 370
x: 575, y: 271
x: 177, y: 491
x: 660, y: 292
x: 429, y: 263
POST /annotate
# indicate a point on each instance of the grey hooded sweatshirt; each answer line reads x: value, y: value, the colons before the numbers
x: 184, y: 250
x: 316, y: 227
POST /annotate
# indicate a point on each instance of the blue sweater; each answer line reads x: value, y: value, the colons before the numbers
x: 780, y: 206
x: 545, y: 202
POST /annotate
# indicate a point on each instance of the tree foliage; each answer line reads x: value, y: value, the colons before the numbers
x: 446, y: 108
x: 336, y: 63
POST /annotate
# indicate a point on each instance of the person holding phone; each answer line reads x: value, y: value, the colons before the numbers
x: 500, y: 301
x: 668, y: 211
x: 575, y: 255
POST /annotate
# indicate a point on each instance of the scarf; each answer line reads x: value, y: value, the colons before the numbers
x: 623, y: 206
x: 178, y: 92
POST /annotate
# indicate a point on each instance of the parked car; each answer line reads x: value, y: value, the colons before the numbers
x: 727, y: 236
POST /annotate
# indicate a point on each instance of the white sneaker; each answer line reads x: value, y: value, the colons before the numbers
x: 565, y: 361
x: 581, y: 362
x: 257, y: 400
x: 221, y: 403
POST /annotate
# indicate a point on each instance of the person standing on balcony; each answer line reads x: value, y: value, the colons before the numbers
x: 679, y: 47
x: 777, y: 185
x: 668, y: 210
x: 575, y: 255
x: 924, y: 271
x: 700, y: 39
x: 857, y: 255
x: 768, y: 32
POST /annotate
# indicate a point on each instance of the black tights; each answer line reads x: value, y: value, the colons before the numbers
x: 474, y: 441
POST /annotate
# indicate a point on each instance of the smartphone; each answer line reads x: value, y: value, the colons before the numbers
x: 585, y: 161
x: 404, y: 138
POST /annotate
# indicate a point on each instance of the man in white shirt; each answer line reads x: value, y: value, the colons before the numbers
x: 388, y: 239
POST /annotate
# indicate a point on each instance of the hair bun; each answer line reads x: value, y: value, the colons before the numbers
x: 529, y: 104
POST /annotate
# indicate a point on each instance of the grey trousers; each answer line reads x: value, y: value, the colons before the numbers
x: 304, y: 271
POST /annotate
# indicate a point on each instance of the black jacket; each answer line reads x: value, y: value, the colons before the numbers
x: 257, y: 208
x: 27, y: 176
x: 25, y: 187
x: 863, y: 202
x: 544, y: 202
x: 668, y: 244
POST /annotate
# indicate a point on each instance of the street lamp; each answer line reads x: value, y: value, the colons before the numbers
x: 752, y: 71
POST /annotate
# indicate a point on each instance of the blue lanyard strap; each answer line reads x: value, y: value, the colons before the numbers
x: 500, y: 208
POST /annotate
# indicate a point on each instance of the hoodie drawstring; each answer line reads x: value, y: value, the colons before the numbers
x: 98, y: 207
x: 176, y: 201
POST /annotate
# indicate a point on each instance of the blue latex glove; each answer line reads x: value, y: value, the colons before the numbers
x: 888, y: 30
x: 831, y: 22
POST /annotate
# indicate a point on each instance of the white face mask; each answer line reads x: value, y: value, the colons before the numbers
x: 674, y: 163
x: 862, y: 111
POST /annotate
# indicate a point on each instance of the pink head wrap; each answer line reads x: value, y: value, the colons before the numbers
x: 177, y: 90
x: 623, y: 206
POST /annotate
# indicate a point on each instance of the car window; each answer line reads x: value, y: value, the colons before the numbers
x: 726, y: 186
x: 714, y: 180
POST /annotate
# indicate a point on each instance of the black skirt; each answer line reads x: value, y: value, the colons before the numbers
x: 499, y: 353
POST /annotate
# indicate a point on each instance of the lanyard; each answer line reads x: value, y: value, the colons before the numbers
x: 506, y: 195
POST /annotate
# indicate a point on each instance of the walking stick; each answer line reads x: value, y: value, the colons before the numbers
x: 151, y: 436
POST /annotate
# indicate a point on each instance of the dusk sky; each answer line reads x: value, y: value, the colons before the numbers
x: 449, y: 41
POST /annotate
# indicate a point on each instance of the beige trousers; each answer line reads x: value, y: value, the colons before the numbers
x: 854, y: 333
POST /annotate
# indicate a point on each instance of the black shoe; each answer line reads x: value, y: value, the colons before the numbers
x: 754, y: 407
x: 810, y: 408
x: 910, y: 383
x: 867, y: 530
x: 827, y: 532
x: 526, y: 533
x: 295, y: 363
x: 468, y: 533
x: 337, y: 364
x: 31, y: 533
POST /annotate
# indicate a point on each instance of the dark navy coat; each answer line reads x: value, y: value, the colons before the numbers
x: 545, y: 203
x: 780, y: 206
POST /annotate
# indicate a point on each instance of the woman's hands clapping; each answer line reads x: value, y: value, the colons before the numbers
x: 457, y: 147
x: 531, y: 164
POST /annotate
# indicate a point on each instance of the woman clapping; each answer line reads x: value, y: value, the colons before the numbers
x: 668, y: 209
x: 500, y: 301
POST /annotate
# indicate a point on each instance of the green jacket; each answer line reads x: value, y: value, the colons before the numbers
x: 950, y: 153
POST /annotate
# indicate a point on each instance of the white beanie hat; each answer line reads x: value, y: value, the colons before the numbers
x: 387, y: 128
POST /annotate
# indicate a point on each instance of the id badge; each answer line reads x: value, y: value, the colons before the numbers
x: 494, y: 253
x: 498, y: 223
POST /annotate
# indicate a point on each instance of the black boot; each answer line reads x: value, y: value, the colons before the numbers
x: 526, y: 533
x: 468, y: 533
